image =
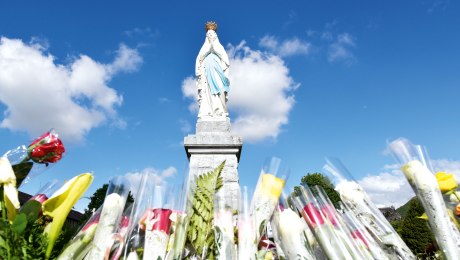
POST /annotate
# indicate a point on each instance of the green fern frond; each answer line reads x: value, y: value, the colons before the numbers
x: 200, y: 233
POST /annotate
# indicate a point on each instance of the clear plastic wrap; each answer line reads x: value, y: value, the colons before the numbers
x: 111, y: 213
x: 357, y: 200
x: 413, y: 164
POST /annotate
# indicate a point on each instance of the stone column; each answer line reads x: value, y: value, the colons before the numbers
x: 210, y: 146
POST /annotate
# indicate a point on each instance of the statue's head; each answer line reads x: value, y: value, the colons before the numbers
x: 211, y: 35
x: 211, y: 25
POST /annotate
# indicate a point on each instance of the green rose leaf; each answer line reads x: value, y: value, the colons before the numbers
x: 31, y: 209
x: 19, y: 223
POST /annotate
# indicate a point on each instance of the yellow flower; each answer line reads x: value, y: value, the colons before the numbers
x: 272, y: 186
x: 10, y: 193
x: 61, y: 202
x: 446, y: 181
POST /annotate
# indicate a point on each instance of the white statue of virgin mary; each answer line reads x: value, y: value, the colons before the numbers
x: 212, y: 67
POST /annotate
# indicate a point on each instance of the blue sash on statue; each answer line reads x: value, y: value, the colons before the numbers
x: 215, y: 74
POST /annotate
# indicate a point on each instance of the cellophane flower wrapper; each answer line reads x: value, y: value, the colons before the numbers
x: 115, y: 250
x: 80, y: 244
x: 423, y: 182
x: 223, y: 228
x: 111, y: 213
x: 266, y: 195
x: 357, y: 200
x: 47, y: 190
x: 289, y: 231
x: 135, y: 233
x: 247, y: 249
x: 29, y: 161
x: 180, y: 219
x: 157, y: 223
x: 322, y: 228
x: 360, y: 234
x: 355, y: 247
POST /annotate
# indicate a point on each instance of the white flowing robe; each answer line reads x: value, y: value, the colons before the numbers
x: 212, y: 78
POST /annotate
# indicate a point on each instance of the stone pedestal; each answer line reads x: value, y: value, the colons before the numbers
x: 210, y: 146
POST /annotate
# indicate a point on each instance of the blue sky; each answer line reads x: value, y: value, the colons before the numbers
x: 310, y: 79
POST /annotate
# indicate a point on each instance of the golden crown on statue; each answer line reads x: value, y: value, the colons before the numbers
x: 211, y: 25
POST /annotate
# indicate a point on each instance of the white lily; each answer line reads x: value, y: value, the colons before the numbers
x: 10, y: 192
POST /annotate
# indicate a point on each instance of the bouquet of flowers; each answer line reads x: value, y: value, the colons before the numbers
x: 355, y: 247
x: 361, y: 235
x: 449, y: 189
x: 247, y: 249
x: 356, y: 200
x: 31, y: 231
x: 290, y: 233
x: 321, y: 226
x: 223, y: 228
x: 414, y: 166
x: 109, y: 218
x: 266, y: 196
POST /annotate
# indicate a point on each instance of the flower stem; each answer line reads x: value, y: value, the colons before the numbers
x: 456, y: 195
x: 2, y: 203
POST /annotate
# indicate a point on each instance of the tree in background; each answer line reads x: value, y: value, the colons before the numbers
x: 96, y: 200
x: 415, y: 231
x: 313, y: 179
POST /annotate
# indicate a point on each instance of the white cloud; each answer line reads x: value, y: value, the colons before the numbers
x: 285, y: 48
x: 40, y: 94
x: 341, y: 49
x: 261, y: 94
x: 189, y: 90
x: 390, y: 187
x: 387, y: 188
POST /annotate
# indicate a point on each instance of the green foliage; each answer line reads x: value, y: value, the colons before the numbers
x: 24, y: 238
x: 404, y: 208
x: 18, y: 242
x: 313, y: 179
x: 415, y: 231
x: 200, y: 233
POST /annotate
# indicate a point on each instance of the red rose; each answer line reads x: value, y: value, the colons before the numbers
x: 48, y: 148
x: 159, y: 218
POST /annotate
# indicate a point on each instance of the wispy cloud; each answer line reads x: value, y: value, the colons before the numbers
x: 285, y: 48
x: 434, y: 5
x: 257, y: 79
x: 35, y: 89
x: 292, y: 17
x: 185, y: 126
x: 341, y: 49
x: 142, y: 32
